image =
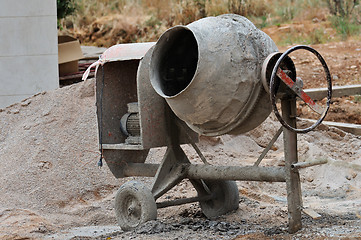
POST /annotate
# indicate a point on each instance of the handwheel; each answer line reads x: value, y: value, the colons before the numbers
x: 134, y: 205
x: 296, y: 89
x: 225, y: 198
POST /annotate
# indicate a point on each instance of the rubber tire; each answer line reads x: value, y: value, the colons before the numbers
x: 226, y: 198
x: 134, y: 205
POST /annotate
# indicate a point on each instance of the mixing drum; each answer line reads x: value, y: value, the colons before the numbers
x: 209, y: 72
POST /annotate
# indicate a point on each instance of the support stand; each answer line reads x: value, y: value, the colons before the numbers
x: 293, y: 184
x: 176, y: 166
x: 217, y: 191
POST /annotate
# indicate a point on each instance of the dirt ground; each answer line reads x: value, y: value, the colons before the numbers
x: 52, y: 189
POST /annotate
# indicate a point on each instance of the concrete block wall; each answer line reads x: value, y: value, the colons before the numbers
x: 28, y: 49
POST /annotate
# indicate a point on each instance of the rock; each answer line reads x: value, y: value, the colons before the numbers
x: 310, y: 179
x: 26, y: 102
x: 14, y: 111
x: 153, y: 227
x: 46, y: 113
x: 315, y: 20
x: 196, y: 227
x: 221, y: 227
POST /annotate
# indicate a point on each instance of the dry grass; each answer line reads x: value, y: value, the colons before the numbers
x: 109, y: 22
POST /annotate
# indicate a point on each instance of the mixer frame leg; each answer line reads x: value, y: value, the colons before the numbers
x: 171, y: 171
x: 293, y: 184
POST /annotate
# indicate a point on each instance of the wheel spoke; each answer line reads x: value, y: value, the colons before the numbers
x: 308, y: 100
x: 299, y: 91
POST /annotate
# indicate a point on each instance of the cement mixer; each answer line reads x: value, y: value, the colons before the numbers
x: 218, y: 75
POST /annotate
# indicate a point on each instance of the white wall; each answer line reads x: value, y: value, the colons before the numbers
x: 28, y: 49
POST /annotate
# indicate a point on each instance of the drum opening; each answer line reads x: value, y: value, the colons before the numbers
x: 174, y: 61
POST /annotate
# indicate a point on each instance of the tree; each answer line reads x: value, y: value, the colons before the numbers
x: 65, y: 8
x: 342, y: 8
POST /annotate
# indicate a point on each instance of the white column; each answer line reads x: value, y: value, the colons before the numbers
x: 28, y: 49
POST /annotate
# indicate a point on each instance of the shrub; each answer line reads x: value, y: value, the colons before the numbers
x: 345, y: 27
x: 345, y: 19
x: 64, y: 8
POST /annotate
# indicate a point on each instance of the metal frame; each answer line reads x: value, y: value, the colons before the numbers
x: 127, y: 81
x: 175, y: 167
x: 293, y: 184
x: 121, y: 80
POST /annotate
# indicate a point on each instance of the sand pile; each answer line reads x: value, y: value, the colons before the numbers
x: 48, y: 152
x: 50, y: 181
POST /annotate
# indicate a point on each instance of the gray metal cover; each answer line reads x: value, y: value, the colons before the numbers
x: 209, y: 72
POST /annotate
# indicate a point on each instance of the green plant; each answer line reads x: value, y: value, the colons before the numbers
x: 64, y: 8
x: 318, y: 36
x: 357, y: 98
x: 153, y: 22
x: 260, y: 22
x: 344, y: 27
x: 286, y: 12
x: 346, y: 16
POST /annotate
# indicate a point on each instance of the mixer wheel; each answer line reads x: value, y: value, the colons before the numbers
x: 134, y: 205
x: 225, y: 198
